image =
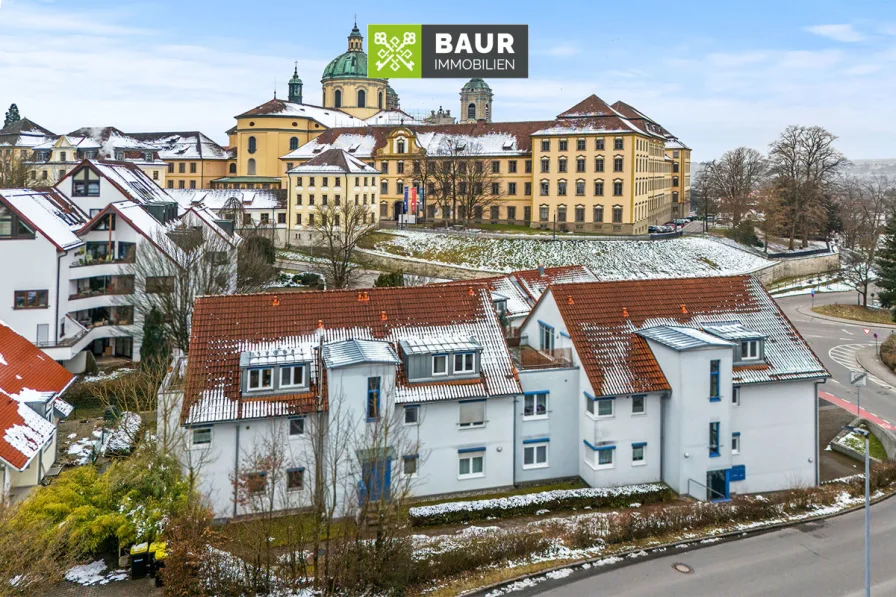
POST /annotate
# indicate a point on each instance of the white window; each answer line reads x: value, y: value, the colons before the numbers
x: 590, y: 406
x: 638, y: 407
x: 409, y: 465
x: 202, y: 436
x: 735, y: 443
x: 297, y: 426
x: 535, y: 406
x: 261, y: 379
x: 735, y: 395
x: 605, y: 407
x: 440, y: 364
x: 472, y: 413
x: 295, y: 479
x: 471, y: 464
x: 638, y: 454
x: 546, y: 337
x: 602, y: 457
x: 463, y: 363
x: 292, y: 376
x: 412, y: 415
x: 749, y: 350
x: 535, y: 456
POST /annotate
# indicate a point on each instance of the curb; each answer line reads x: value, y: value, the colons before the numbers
x: 861, y: 324
x: 652, y: 550
x: 886, y: 375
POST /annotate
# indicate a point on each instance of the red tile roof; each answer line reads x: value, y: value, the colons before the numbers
x: 225, y: 326
x: 536, y: 282
x: 26, y: 373
x: 601, y: 318
x: 590, y: 106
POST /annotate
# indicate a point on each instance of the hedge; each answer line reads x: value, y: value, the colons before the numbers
x: 530, y: 503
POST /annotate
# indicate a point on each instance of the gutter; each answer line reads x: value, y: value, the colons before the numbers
x: 236, y: 467
x: 56, y: 319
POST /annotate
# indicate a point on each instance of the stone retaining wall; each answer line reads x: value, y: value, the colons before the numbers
x: 798, y: 267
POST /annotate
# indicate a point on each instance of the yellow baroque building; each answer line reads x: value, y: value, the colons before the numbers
x: 596, y: 167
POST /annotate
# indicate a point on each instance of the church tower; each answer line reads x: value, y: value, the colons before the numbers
x: 476, y: 101
x: 345, y: 84
x: 295, y: 86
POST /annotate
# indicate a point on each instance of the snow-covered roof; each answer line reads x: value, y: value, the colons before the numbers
x: 391, y: 118
x: 49, y: 212
x: 675, y: 144
x: 191, y: 145
x: 334, y: 160
x: 301, y: 353
x: 732, y: 330
x: 492, y: 143
x: 329, y: 117
x: 218, y: 199
x: 133, y: 182
x: 682, y: 338
x: 224, y: 327
x: 355, y: 351
x: 27, y: 375
x: 412, y: 345
x: 356, y: 144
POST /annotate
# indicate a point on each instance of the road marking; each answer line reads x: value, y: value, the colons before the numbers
x: 845, y: 356
x: 847, y: 332
x: 852, y: 408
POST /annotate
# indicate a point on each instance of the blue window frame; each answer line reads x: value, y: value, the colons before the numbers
x: 373, y: 398
x: 714, y: 380
x: 714, y: 439
x: 545, y: 336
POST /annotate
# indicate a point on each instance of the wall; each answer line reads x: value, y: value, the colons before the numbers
x: 562, y: 386
x: 778, y: 436
x: 29, y: 265
x: 797, y: 267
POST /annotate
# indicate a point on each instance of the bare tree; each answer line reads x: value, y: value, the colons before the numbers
x: 461, y: 181
x: 865, y: 207
x: 735, y: 178
x: 178, y: 265
x: 771, y: 213
x: 15, y: 171
x: 703, y: 195
x: 339, y: 226
x: 804, y: 163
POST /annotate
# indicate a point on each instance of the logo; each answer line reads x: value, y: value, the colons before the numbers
x: 448, y: 51
x: 396, y: 51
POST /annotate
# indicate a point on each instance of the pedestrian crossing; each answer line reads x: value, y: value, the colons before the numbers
x: 845, y: 356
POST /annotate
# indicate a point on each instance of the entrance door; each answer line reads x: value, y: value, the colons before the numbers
x: 43, y: 334
x: 376, y: 481
x: 717, y: 485
x: 397, y: 209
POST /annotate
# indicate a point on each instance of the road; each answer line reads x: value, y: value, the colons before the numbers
x: 817, y: 559
x: 836, y: 344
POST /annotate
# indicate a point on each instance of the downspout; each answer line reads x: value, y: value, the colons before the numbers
x: 817, y: 453
x: 662, y: 437
x: 236, y: 467
x: 515, y: 422
x: 56, y: 310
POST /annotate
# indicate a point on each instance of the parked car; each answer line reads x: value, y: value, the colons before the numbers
x: 653, y: 229
x: 682, y: 221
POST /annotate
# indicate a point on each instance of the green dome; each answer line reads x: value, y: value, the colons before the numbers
x: 475, y: 84
x: 350, y: 65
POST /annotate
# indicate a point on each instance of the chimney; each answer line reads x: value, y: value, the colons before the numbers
x: 541, y: 270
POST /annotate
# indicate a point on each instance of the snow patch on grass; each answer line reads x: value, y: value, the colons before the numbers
x: 95, y: 573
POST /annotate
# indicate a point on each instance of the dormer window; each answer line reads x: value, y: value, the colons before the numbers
x: 464, y: 362
x: 749, y: 350
x: 86, y: 183
x: 440, y: 364
x: 292, y: 376
x: 261, y: 379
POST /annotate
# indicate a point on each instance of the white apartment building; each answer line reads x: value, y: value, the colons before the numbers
x: 701, y: 383
x: 70, y: 252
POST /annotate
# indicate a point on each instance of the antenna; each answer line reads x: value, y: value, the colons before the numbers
x: 275, y: 87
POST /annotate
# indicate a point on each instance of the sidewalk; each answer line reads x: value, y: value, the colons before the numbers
x: 871, y: 363
x: 808, y: 312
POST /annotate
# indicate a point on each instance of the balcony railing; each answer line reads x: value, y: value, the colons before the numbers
x: 109, y: 290
x: 531, y: 358
x: 88, y: 260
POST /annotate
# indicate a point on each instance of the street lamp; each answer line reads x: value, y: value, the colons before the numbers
x: 865, y: 433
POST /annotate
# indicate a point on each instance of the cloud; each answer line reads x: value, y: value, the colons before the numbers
x: 561, y: 51
x: 843, y: 33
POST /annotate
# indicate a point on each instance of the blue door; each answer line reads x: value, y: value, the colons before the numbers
x: 376, y: 481
x: 717, y: 486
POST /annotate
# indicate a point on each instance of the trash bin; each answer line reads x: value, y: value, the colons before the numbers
x: 139, y: 560
x: 153, y: 550
x: 159, y: 557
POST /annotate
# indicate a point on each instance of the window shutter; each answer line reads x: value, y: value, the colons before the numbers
x: 472, y: 412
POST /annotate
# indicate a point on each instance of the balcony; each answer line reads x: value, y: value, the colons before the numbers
x: 102, y: 253
x: 527, y: 357
x: 103, y: 286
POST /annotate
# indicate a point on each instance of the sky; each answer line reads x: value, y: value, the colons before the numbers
x: 717, y: 74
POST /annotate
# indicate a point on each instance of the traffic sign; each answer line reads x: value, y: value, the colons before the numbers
x: 858, y: 378
x: 866, y: 330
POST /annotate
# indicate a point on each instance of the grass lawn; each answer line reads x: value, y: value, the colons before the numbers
x: 856, y: 313
x: 571, y: 484
x: 857, y: 443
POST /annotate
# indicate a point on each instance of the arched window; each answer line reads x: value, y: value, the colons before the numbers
x: 252, y: 145
x: 337, y: 99
x: 674, y: 181
x: 471, y: 111
x: 362, y: 98
x: 293, y: 143
x: 232, y: 169
x: 379, y: 100
x: 250, y: 167
x: 400, y: 146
